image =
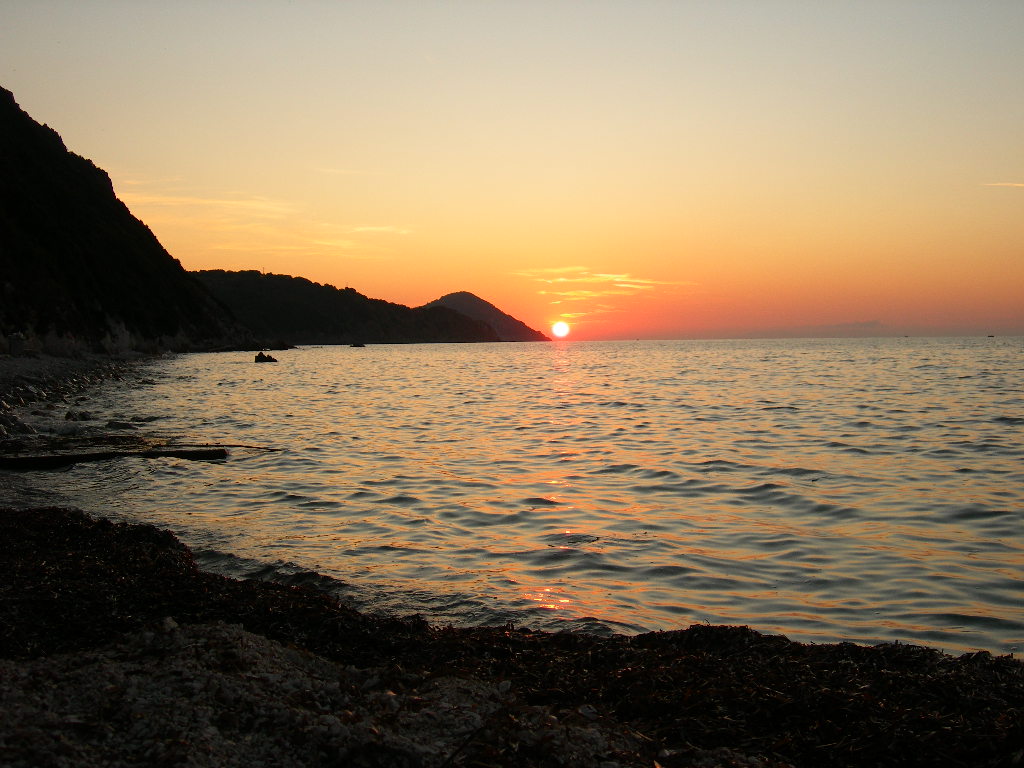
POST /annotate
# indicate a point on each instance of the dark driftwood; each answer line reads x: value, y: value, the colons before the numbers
x: 35, y: 452
x: 57, y: 460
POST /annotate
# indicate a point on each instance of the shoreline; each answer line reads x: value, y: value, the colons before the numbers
x: 108, y: 626
x: 103, y: 610
x: 47, y: 381
x: 59, y: 374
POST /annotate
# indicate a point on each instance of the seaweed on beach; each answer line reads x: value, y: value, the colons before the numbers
x: 700, y: 696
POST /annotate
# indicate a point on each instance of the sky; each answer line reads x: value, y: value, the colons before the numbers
x: 641, y: 169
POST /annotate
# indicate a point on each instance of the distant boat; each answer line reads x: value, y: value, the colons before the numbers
x: 357, y: 344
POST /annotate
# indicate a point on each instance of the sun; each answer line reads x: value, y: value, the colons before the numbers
x: 560, y: 329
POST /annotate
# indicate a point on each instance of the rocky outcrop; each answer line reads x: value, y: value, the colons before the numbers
x: 78, y: 272
x: 505, y: 326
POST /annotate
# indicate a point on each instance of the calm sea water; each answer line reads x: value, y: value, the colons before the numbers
x: 865, y: 490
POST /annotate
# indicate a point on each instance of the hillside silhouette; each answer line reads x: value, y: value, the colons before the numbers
x: 505, y: 326
x: 294, y: 310
x: 78, y: 272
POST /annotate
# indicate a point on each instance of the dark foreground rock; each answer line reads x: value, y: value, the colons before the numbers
x: 120, y: 652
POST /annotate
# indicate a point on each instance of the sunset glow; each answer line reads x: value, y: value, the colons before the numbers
x: 641, y: 170
x: 560, y: 329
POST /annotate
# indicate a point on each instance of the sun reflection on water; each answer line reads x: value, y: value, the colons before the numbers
x: 549, y: 598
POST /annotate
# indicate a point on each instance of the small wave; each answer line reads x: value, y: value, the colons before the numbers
x: 837, y: 511
x: 401, y: 500
x: 1008, y: 420
x: 764, y: 489
x: 976, y: 621
x: 283, y: 496
x: 848, y: 448
x: 541, y: 501
x: 798, y: 472
x: 685, y: 488
x: 567, y: 559
x: 720, y: 465
x: 321, y: 505
x: 279, y: 572
x: 986, y: 446
x: 658, y: 473
x: 615, y: 469
x: 362, y: 495
x: 473, y: 518
x: 979, y: 512
x: 570, y: 539
x: 666, y: 571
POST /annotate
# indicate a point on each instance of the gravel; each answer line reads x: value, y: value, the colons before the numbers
x: 216, y: 695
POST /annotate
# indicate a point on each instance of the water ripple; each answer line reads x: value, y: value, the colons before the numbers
x: 866, y: 490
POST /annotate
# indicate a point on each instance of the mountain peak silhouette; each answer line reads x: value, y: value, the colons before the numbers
x: 505, y: 326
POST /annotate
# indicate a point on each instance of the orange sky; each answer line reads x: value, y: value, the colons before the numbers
x: 640, y: 169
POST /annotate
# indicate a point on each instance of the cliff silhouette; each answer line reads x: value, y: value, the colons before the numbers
x: 78, y: 272
x: 505, y: 326
x: 294, y: 310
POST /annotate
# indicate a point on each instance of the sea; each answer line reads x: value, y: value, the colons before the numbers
x: 864, y: 490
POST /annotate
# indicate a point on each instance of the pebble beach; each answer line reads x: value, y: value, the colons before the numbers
x: 116, y: 650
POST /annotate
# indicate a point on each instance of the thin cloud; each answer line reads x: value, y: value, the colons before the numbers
x: 259, y: 225
x: 542, y: 274
x: 640, y: 282
x: 580, y: 295
x: 1004, y: 184
x: 260, y: 205
x: 580, y: 284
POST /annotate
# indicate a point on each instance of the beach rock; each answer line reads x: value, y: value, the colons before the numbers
x: 70, y: 429
x: 120, y: 425
x: 15, y: 426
